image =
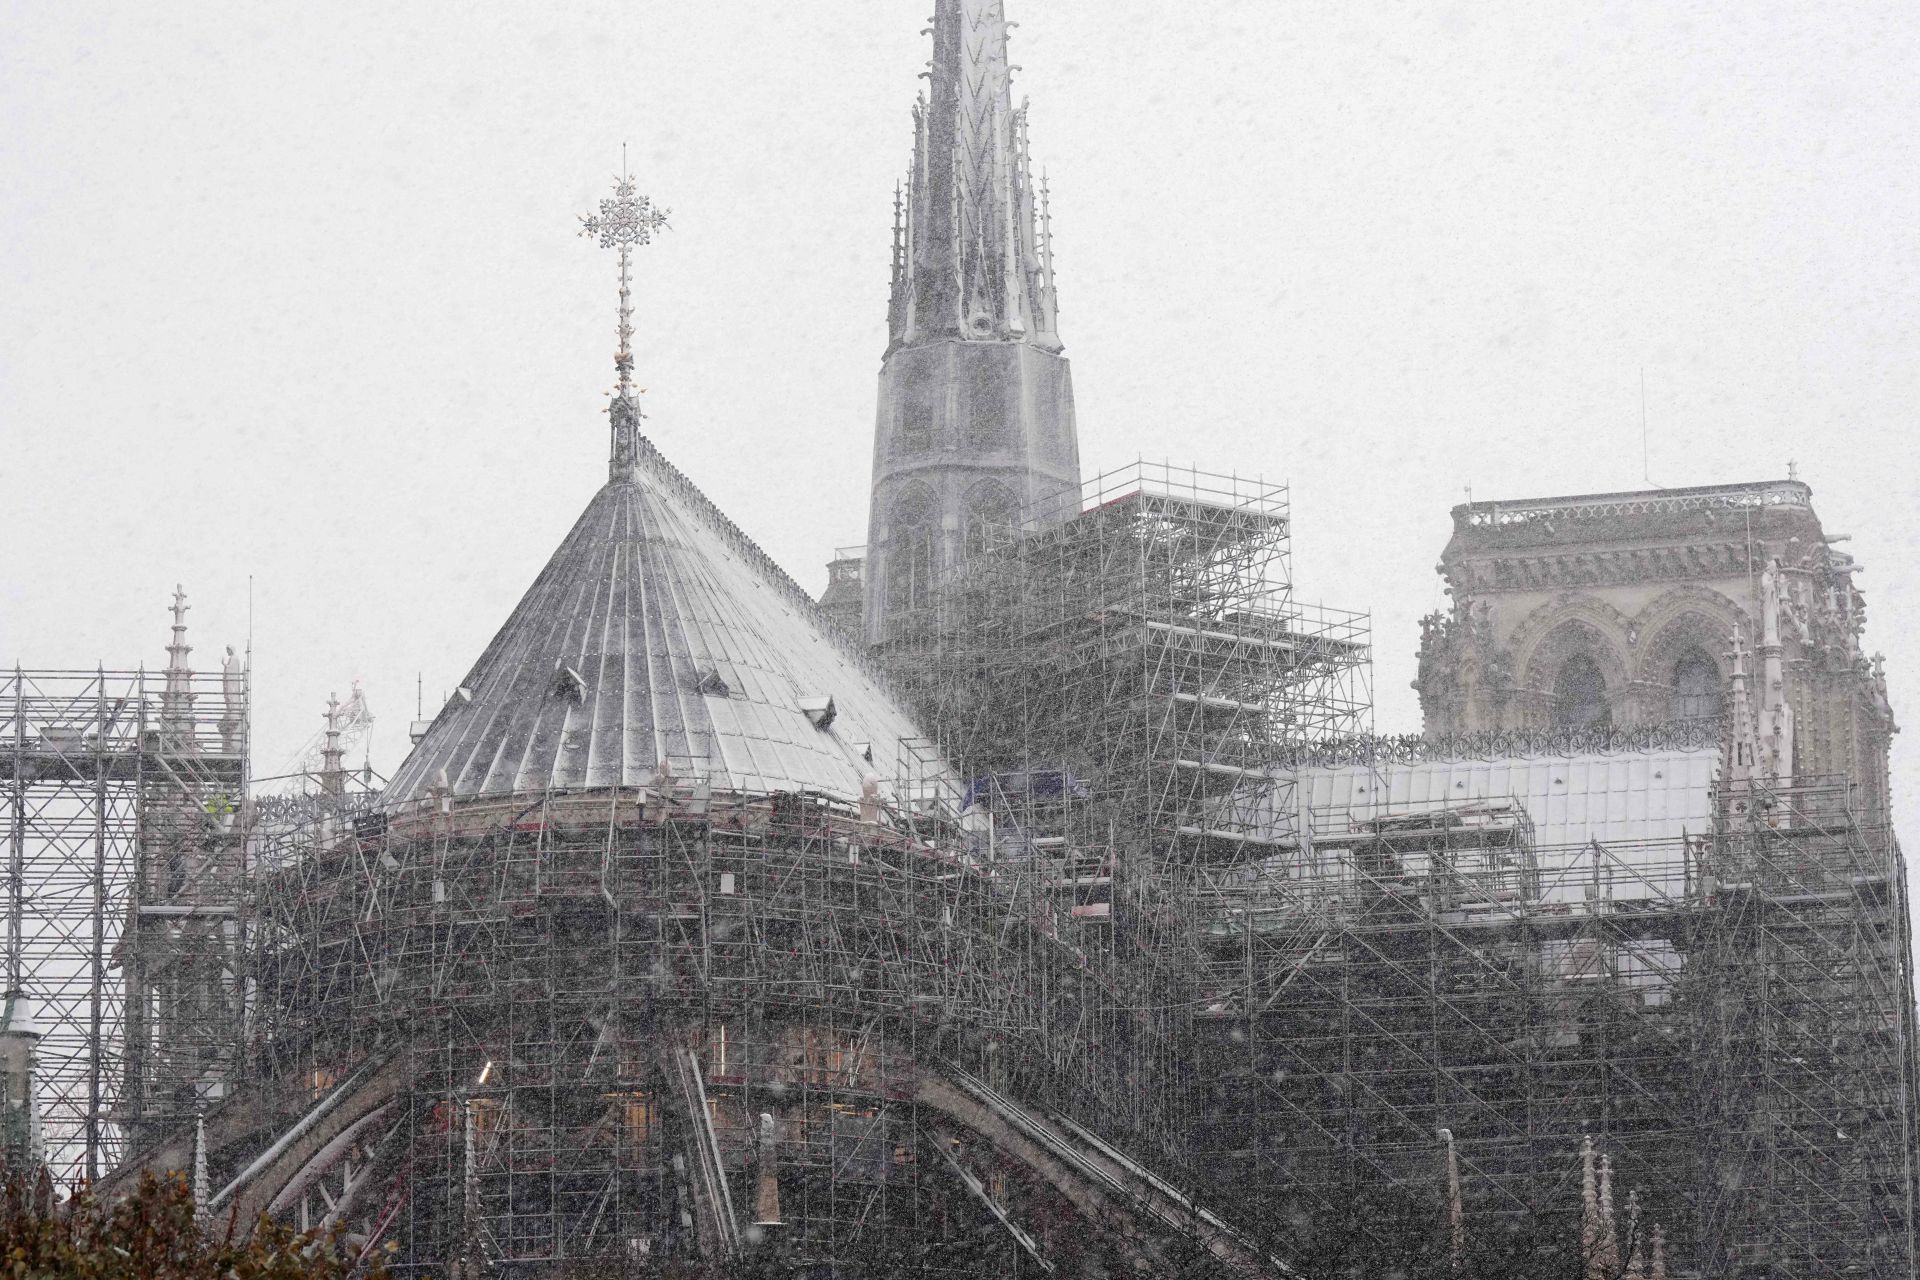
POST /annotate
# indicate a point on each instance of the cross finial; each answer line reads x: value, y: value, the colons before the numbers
x: 626, y: 220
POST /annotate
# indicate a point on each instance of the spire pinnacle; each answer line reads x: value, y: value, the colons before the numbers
x: 1609, y: 1227
x: 202, y: 1186
x: 626, y: 220
x: 332, y: 754
x: 1456, y: 1209
x: 176, y: 698
x: 1589, y: 1211
x: 973, y: 265
x: 177, y: 651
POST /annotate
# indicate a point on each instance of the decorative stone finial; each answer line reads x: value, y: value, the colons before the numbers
x: 1609, y: 1257
x: 332, y: 753
x: 976, y: 261
x: 176, y: 698
x: 1456, y: 1208
x: 626, y: 220
x: 1589, y: 1210
x: 202, y: 1185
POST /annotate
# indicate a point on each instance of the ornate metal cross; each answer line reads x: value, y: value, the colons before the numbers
x: 628, y: 219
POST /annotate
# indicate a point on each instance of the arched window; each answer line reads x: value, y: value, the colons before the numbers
x: 910, y: 551
x: 1696, y: 687
x: 1580, y: 695
x: 912, y: 435
x: 993, y: 518
x: 992, y: 400
x: 917, y: 417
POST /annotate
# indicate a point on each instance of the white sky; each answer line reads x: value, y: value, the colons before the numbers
x: 293, y: 293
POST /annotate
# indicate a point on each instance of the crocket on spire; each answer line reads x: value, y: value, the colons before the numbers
x: 975, y: 434
x: 974, y: 268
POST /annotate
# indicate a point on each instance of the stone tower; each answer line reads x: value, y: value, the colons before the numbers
x: 1620, y: 610
x: 975, y: 428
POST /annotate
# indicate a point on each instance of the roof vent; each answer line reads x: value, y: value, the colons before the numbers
x: 568, y: 684
x: 714, y: 686
x: 819, y: 709
x: 461, y: 696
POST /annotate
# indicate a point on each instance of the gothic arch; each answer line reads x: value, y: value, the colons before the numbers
x: 992, y: 517
x: 917, y: 418
x: 911, y: 552
x: 914, y: 502
x: 1571, y: 624
x: 1688, y: 633
x: 1581, y: 698
x: 1683, y: 619
x: 1696, y: 688
x: 1574, y: 637
x: 1578, y: 632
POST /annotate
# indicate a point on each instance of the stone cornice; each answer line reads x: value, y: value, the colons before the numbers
x: 1539, y: 512
x: 1560, y: 570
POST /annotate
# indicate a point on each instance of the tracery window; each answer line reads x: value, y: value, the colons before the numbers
x: 917, y: 417
x: 990, y: 404
x: 912, y: 435
x: 1580, y: 695
x: 910, y: 529
x: 1696, y: 687
x: 993, y: 518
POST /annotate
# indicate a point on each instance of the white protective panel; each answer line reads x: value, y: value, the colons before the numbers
x: 1637, y: 807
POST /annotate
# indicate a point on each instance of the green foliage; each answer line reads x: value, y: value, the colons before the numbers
x: 153, y: 1235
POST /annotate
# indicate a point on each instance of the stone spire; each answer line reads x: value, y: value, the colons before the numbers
x: 1589, y: 1211
x: 1636, y: 1253
x: 1609, y: 1257
x: 1456, y: 1208
x: 1775, y: 713
x: 202, y: 1186
x: 628, y: 219
x: 333, y: 772
x: 973, y: 264
x: 975, y: 435
x: 176, y: 698
x: 21, y: 1146
x: 1742, y: 743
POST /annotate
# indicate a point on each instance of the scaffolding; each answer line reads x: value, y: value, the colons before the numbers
x: 1288, y: 1005
x: 1726, y: 1012
x: 507, y: 1033
x: 510, y: 1032
x: 1378, y: 982
x: 1803, y: 1029
x: 1106, y: 680
x: 122, y: 799
x: 589, y: 1018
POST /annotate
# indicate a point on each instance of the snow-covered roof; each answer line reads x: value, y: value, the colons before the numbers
x: 658, y: 630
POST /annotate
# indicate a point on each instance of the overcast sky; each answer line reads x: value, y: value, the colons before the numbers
x: 292, y: 294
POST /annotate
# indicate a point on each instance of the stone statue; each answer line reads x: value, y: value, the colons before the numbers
x: 233, y: 689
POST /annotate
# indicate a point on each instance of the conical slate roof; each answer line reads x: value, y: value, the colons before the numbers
x: 659, y: 631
